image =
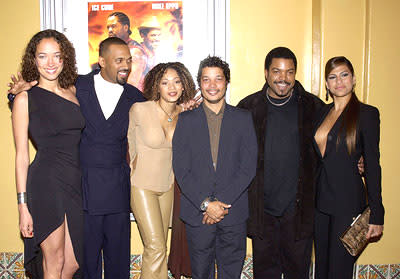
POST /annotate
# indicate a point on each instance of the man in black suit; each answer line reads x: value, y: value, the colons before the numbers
x: 214, y: 159
x: 281, y: 196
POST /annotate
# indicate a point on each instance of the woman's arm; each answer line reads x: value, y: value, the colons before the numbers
x: 20, y: 121
x: 370, y: 134
x: 132, y: 138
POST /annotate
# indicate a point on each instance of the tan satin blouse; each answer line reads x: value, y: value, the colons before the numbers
x: 150, y: 151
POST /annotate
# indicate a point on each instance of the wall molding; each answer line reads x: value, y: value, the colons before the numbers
x: 367, y: 51
x: 316, y: 48
x: 318, y: 40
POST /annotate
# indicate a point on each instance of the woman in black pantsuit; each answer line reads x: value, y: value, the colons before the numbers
x: 346, y: 130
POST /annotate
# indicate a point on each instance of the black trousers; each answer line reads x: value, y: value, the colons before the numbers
x: 332, y: 260
x: 224, y: 246
x: 107, y: 237
x: 278, y: 252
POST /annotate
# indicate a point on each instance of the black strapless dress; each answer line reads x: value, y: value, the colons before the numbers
x: 54, y: 177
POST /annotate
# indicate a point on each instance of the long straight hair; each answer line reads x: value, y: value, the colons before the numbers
x: 351, y: 112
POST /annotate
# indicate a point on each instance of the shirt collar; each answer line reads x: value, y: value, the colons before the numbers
x: 208, y: 111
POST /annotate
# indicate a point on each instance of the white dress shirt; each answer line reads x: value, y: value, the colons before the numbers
x: 108, y: 94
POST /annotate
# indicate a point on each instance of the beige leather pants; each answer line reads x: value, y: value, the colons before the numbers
x: 152, y: 212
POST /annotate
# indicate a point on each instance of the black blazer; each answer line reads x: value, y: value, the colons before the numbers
x: 193, y: 167
x: 103, y: 149
x: 340, y: 188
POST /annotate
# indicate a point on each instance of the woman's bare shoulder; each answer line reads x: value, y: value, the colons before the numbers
x: 21, y: 98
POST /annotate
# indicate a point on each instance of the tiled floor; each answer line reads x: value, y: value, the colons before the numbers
x: 11, y: 267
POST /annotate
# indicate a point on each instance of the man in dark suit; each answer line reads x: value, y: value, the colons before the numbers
x: 214, y: 159
x: 105, y: 99
x: 281, y: 196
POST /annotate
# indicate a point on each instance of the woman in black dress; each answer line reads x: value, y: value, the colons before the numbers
x: 49, y: 189
x: 346, y: 130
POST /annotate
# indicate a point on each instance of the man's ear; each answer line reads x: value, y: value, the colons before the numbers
x: 102, y: 62
x: 265, y: 74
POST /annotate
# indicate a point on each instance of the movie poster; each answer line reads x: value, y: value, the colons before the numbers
x: 153, y: 31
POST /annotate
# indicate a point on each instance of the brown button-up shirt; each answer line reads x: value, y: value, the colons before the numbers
x: 214, y: 121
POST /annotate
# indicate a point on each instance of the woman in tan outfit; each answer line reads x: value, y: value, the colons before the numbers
x: 151, y: 128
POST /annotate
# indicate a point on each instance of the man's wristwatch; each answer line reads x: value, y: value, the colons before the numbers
x: 206, y: 202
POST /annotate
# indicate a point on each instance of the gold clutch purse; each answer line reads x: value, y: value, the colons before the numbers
x: 354, y: 238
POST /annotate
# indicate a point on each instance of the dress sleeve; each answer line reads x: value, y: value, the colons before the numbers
x: 370, y: 133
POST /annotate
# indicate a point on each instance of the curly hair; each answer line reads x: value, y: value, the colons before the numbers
x: 152, y: 81
x: 214, y: 61
x: 68, y: 74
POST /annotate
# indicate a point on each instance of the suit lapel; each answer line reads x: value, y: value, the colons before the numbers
x: 322, y: 117
x: 90, y: 105
x: 97, y: 106
x: 332, y: 135
x: 123, y: 101
x: 224, y: 137
x: 318, y: 123
x: 94, y: 113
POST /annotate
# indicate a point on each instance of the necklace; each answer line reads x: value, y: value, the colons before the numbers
x: 170, y: 116
x: 279, y: 104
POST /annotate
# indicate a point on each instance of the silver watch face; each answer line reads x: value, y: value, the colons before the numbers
x: 204, y: 205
